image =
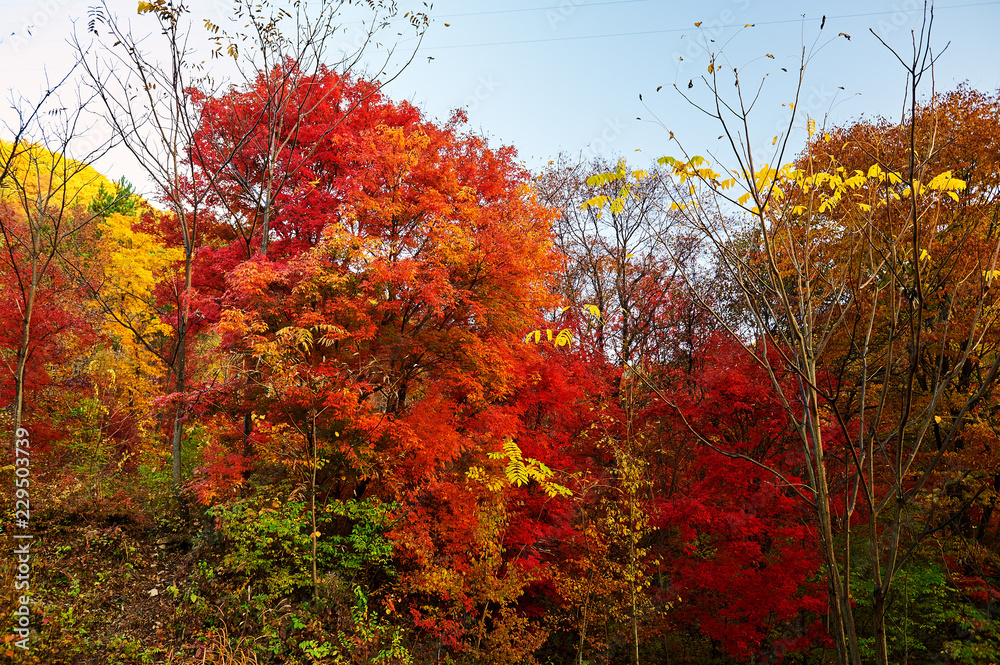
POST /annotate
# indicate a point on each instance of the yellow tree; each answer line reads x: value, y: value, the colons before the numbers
x: 852, y: 281
x: 118, y: 276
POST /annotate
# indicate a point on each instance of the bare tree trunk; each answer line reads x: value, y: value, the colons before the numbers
x: 845, y: 635
x: 583, y: 632
x: 180, y: 367
x: 22, y: 352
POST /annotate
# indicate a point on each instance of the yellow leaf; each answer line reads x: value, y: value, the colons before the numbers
x: 698, y: 24
x: 953, y: 195
x: 937, y: 419
x: 595, y: 202
x: 564, y: 338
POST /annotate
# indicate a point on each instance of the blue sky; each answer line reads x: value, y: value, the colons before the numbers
x: 565, y: 75
x: 568, y: 74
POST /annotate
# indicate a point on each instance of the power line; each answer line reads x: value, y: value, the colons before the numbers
x: 673, y: 30
x: 563, y: 6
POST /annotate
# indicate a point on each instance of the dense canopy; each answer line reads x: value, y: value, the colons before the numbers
x: 355, y: 386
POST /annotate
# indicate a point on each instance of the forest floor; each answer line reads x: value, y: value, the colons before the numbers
x: 111, y: 582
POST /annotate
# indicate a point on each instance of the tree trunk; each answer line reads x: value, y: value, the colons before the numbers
x: 180, y: 370
x: 844, y: 630
x: 22, y: 353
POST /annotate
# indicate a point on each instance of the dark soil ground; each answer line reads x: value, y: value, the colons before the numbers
x: 110, y: 584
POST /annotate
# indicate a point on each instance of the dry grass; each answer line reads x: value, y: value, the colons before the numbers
x: 224, y: 651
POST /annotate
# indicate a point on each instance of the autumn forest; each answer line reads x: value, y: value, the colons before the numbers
x: 353, y: 385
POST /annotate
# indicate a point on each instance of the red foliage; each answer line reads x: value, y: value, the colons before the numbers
x: 745, y: 564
